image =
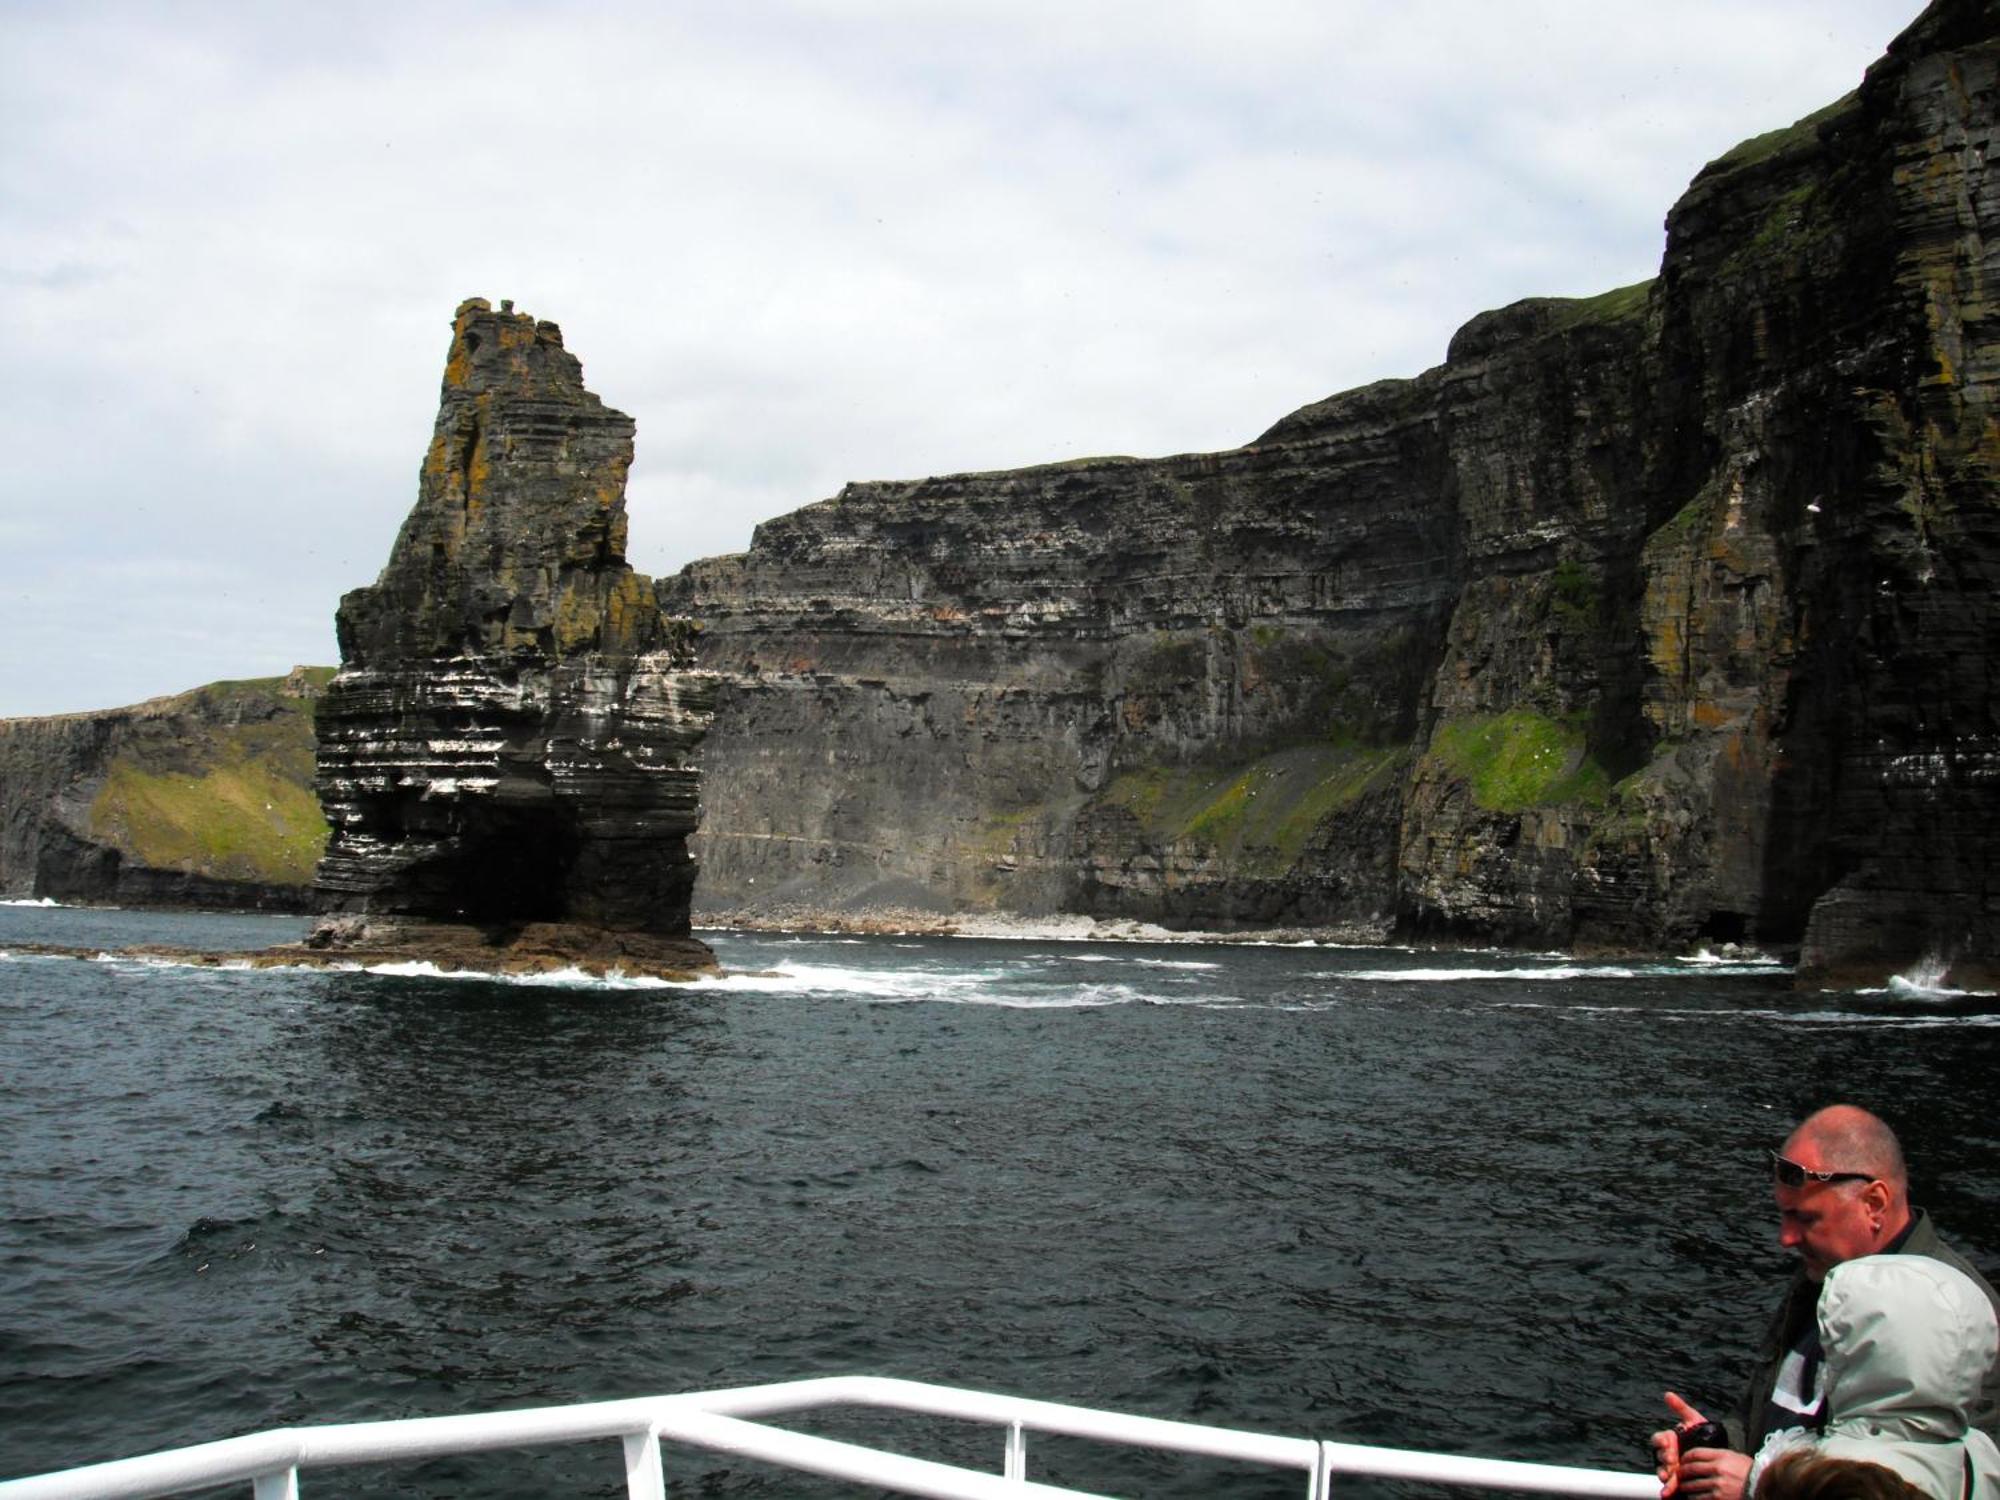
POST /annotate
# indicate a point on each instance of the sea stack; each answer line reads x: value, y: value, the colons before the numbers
x: 507, y: 753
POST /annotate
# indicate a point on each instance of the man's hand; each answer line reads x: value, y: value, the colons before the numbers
x: 1667, y: 1460
x: 1713, y: 1474
x: 1700, y: 1473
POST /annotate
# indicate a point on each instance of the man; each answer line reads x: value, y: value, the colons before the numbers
x: 1843, y: 1192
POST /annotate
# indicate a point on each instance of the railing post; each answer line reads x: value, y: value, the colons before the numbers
x: 283, y: 1485
x: 645, y: 1475
x: 1015, y: 1465
x: 1321, y: 1485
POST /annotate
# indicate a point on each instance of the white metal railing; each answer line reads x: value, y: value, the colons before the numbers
x: 723, y: 1421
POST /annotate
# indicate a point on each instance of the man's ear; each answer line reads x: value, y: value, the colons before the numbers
x: 1876, y: 1198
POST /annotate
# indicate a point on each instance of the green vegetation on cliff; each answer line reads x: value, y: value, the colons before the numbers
x: 1790, y: 137
x: 1573, y: 593
x: 1606, y: 307
x: 224, y: 788
x: 1262, y: 815
x: 1520, y: 759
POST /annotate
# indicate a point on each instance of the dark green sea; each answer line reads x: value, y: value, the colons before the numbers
x: 1481, y: 1203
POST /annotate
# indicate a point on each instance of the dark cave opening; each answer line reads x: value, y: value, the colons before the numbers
x: 512, y: 866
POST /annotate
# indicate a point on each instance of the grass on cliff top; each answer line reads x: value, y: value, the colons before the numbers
x: 261, y: 691
x: 1261, y: 815
x: 1520, y: 759
x: 315, y: 678
x: 1606, y: 307
x: 1772, y: 142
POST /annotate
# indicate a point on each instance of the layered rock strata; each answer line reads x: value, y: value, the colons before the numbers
x: 510, y: 740
x: 1645, y: 620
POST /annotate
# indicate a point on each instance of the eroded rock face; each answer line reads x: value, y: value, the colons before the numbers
x: 510, y: 739
x: 201, y: 799
x: 998, y: 691
x: 1649, y: 619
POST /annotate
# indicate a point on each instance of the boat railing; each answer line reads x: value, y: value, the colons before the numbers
x: 726, y: 1421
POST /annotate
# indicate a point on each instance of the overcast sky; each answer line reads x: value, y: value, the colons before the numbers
x: 801, y: 243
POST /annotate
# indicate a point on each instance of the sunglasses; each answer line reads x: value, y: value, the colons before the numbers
x: 1791, y: 1174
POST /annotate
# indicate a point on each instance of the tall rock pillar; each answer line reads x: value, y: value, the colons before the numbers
x: 511, y: 737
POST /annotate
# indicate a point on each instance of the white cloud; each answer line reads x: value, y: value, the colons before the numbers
x: 800, y: 242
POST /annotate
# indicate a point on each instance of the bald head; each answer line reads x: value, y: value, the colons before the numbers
x: 1852, y: 1195
x: 1847, y: 1138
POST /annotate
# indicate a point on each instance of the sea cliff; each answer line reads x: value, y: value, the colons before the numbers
x: 1646, y: 620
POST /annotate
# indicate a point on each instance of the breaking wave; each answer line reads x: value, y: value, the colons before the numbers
x: 1453, y: 976
x: 916, y: 986
x: 1927, y: 981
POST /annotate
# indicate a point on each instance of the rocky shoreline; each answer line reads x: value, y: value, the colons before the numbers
x: 1068, y: 927
x: 1080, y: 928
x: 350, y: 943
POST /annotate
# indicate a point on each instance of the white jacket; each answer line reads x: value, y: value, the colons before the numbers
x: 1908, y: 1341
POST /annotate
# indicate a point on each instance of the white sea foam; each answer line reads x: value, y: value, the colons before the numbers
x: 1729, y: 962
x: 1193, y: 964
x: 567, y: 979
x: 967, y: 987
x: 1086, y: 997
x: 119, y: 959
x: 615, y: 980
x: 1905, y: 988
x: 1902, y: 987
x: 1031, y: 979
x: 1927, y: 973
x: 552, y: 979
x: 1873, y: 1019
x: 1454, y: 976
x: 1728, y: 968
x: 1925, y: 981
x: 963, y: 987
x: 43, y: 901
x: 826, y: 979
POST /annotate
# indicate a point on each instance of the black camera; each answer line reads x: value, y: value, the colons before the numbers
x: 1701, y: 1435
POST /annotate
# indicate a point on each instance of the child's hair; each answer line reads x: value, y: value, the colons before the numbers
x: 1806, y: 1475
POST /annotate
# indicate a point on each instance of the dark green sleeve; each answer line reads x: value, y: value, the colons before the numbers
x: 1746, y: 1421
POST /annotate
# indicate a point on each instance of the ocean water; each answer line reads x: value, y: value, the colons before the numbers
x: 1482, y: 1203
